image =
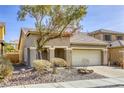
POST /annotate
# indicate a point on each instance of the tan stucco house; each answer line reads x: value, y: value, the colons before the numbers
x: 116, y: 53
x: 107, y: 35
x: 2, y: 33
x: 74, y: 49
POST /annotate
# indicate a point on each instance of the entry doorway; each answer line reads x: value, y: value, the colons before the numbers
x: 60, y: 53
x: 45, y: 54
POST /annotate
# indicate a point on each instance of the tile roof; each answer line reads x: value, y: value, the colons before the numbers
x: 106, y: 31
x: 25, y: 30
x: 83, y: 38
x: 77, y: 38
x: 117, y: 43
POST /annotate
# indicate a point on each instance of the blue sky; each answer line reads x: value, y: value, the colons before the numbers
x: 107, y: 17
x: 8, y: 14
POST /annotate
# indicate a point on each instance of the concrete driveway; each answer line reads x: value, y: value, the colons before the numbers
x: 108, y: 71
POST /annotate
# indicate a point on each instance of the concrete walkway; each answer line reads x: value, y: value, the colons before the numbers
x: 106, y: 82
x: 108, y: 71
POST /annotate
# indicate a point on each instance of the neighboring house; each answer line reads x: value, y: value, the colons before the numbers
x: 115, y: 44
x: 107, y: 35
x: 116, y: 52
x: 74, y: 49
x: 2, y: 33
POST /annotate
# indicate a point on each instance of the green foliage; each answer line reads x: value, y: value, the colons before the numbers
x: 6, y: 68
x: 41, y: 65
x: 51, y: 19
x: 9, y: 47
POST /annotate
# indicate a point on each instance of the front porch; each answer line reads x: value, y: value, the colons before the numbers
x: 48, y: 53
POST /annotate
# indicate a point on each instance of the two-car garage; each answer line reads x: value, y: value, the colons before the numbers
x: 94, y: 57
x: 88, y: 50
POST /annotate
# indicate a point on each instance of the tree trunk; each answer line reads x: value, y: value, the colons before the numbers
x: 39, y: 53
x: 54, y: 69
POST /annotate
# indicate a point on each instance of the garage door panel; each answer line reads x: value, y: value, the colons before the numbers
x: 80, y: 56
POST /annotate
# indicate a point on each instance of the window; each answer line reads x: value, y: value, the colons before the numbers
x: 119, y: 37
x: 107, y: 37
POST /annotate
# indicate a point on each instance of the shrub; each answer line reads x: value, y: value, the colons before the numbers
x: 6, y: 68
x: 41, y: 65
x: 84, y: 71
x: 58, y: 62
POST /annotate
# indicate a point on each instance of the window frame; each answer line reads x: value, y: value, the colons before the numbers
x: 119, y: 36
x: 105, y: 39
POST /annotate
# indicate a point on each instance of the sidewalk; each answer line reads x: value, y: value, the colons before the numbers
x: 107, y: 82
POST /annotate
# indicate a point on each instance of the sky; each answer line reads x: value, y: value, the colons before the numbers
x: 97, y: 17
x: 104, y: 17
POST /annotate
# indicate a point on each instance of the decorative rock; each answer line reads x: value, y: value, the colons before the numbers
x: 22, y: 70
x: 84, y: 71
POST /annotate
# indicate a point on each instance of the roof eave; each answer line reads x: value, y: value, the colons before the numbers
x: 116, y: 33
x: 75, y: 43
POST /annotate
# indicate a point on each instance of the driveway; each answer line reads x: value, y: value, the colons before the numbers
x: 108, y: 71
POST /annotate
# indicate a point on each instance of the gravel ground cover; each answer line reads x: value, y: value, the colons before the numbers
x: 29, y: 76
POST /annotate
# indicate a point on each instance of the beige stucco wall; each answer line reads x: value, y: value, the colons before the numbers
x: 31, y: 41
x: 64, y: 41
x: 99, y: 36
x: 21, y: 49
x: 89, y: 46
x: 114, y: 37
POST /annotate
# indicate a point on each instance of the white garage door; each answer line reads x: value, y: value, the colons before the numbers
x: 81, y: 57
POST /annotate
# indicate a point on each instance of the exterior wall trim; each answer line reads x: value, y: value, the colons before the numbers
x: 95, y: 44
x: 88, y: 48
x: 60, y: 46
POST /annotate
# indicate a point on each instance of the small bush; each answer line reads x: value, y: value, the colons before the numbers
x: 6, y: 68
x: 59, y: 62
x: 41, y: 65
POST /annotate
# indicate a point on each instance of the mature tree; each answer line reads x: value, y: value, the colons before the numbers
x: 52, y: 21
x: 9, y: 47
